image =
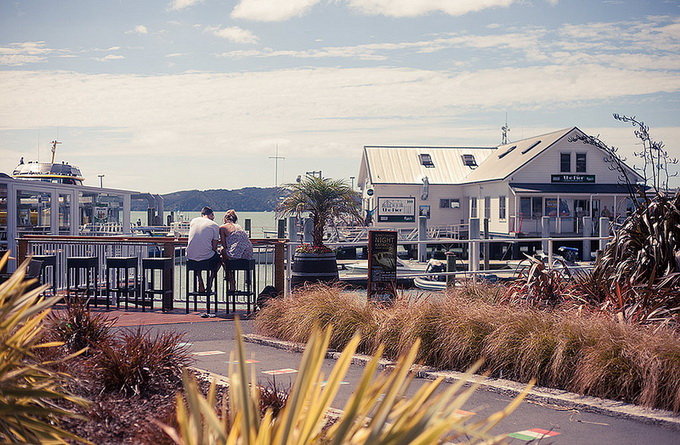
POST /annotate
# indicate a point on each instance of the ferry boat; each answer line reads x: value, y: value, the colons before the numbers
x: 63, y: 173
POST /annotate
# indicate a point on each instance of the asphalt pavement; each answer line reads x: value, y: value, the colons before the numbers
x: 212, y: 342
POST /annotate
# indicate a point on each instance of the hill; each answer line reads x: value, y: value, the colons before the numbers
x: 248, y: 199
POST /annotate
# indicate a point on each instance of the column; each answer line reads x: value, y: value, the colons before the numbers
x: 307, y: 230
x: 545, y: 233
x: 604, y: 231
x: 292, y: 229
x: 422, y: 236
x: 473, y: 251
x: 587, y: 232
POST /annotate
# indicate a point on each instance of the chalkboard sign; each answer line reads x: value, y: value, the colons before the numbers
x: 382, y: 265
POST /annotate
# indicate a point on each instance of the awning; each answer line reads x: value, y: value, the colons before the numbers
x: 572, y: 189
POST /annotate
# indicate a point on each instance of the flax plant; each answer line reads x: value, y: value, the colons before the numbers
x: 28, y: 388
x: 378, y: 412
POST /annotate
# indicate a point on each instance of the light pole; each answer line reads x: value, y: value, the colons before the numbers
x: 276, y: 166
x: 101, y: 181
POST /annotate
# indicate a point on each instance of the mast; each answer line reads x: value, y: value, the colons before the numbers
x: 54, y: 148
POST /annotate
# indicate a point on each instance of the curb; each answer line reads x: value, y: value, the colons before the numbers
x: 507, y: 387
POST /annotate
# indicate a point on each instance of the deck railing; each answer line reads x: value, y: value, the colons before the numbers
x: 268, y: 253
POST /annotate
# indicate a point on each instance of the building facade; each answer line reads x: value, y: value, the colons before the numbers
x: 514, y: 186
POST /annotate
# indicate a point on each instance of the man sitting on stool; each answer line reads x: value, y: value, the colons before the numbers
x: 204, y: 237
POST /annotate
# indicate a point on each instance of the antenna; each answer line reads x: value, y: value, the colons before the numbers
x: 505, y: 130
x: 54, y: 148
x: 276, y: 165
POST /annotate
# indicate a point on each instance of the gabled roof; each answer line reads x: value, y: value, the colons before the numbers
x: 509, y: 158
x: 403, y: 164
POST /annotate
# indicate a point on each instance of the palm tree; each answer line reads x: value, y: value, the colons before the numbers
x: 325, y: 199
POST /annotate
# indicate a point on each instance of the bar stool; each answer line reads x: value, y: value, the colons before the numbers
x: 76, y: 267
x: 120, y: 286
x: 198, y: 267
x: 243, y: 273
x: 162, y: 264
x: 51, y: 262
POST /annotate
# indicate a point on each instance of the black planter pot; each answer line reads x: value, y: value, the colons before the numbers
x: 314, y: 268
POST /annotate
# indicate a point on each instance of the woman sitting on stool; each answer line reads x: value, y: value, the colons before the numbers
x: 235, y: 244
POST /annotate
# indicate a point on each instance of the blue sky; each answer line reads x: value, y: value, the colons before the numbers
x: 194, y: 94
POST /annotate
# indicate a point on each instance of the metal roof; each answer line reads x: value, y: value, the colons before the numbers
x: 511, y: 157
x: 402, y: 164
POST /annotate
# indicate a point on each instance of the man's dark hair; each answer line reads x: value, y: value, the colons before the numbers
x: 205, y: 211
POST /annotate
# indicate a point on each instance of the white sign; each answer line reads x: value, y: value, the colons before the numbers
x: 396, y: 209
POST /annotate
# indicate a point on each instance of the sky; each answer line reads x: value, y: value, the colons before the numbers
x: 168, y: 95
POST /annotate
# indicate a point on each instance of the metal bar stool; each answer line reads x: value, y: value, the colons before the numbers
x: 120, y: 284
x: 78, y: 268
x: 198, y: 267
x: 162, y: 264
x: 239, y: 280
x: 51, y: 262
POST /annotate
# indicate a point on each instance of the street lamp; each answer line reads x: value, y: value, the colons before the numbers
x: 101, y: 181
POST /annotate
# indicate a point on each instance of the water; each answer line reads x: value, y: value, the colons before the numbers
x: 260, y: 221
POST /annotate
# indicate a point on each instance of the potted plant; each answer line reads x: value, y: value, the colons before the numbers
x: 326, y: 200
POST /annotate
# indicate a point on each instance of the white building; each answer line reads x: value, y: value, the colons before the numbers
x: 513, y: 185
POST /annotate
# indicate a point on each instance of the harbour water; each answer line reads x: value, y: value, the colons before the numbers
x: 260, y: 221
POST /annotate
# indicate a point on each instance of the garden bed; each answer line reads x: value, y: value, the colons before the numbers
x: 564, y: 348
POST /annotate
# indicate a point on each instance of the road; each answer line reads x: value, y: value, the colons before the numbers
x: 574, y: 427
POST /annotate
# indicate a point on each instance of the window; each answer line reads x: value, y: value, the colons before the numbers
x: 469, y: 160
x: 473, y: 207
x: 449, y: 203
x: 581, y: 165
x: 506, y: 152
x: 531, y: 207
x: 501, y: 207
x: 487, y: 207
x: 426, y: 160
x: 565, y: 162
x: 526, y: 150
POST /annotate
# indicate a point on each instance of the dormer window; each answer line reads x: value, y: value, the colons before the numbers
x: 426, y: 160
x: 506, y: 152
x: 469, y: 160
x: 526, y: 150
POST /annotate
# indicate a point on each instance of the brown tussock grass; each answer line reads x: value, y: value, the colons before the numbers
x: 586, y: 353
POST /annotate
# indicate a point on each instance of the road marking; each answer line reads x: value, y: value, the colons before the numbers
x: 183, y: 344
x: 236, y: 362
x: 325, y: 382
x: 533, y: 434
x: 209, y: 353
x: 280, y: 371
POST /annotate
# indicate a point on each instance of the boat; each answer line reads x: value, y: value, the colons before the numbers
x: 361, y: 267
x: 59, y: 173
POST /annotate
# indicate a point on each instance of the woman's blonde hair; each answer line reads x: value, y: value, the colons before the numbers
x: 230, y: 216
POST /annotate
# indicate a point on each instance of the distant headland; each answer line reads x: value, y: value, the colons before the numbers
x: 248, y: 199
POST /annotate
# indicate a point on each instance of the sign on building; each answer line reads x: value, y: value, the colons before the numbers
x: 396, y: 209
x: 588, y: 179
x: 382, y: 265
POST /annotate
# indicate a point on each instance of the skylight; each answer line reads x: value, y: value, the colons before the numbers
x: 426, y: 160
x: 506, y: 152
x: 526, y: 150
x: 469, y: 160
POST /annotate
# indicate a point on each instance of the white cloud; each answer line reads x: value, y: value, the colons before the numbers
x: 22, y: 53
x: 233, y: 34
x: 413, y: 8
x: 108, y: 57
x: 139, y: 29
x: 271, y: 11
x: 176, y: 5
x: 175, y: 55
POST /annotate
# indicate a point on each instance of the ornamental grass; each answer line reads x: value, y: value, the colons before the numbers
x: 569, y: 349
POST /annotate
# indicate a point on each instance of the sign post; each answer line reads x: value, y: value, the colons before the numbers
x: 382, y: 265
